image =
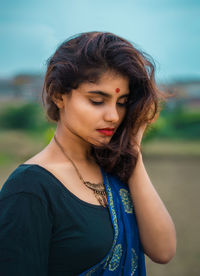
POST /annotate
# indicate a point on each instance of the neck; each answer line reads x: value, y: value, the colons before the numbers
x: 75, y: 147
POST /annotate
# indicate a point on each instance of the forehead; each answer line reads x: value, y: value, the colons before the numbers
x: 108, y: 82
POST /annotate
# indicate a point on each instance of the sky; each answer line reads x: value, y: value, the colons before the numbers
x: 168, y: 30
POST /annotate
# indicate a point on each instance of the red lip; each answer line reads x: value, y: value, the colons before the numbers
x: 106, y: 131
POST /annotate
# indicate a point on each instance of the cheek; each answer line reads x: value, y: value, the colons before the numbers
x: 82, y: 115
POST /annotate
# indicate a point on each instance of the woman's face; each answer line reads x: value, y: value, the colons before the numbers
x: 94, y: 111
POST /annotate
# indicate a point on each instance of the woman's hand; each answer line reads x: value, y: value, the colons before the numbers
x: 137, y: 138
x: 139, y: 135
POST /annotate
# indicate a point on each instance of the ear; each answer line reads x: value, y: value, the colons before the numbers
x: 58, y: 99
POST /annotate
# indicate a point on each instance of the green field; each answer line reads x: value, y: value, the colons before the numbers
x: 174, y: 168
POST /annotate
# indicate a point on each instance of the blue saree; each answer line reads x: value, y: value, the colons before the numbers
x: 126, y: 256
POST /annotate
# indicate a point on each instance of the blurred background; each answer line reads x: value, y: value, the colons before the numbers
x: 168, y: 30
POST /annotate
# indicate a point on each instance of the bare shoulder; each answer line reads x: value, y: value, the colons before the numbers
x: 50, y: 162
x: 39, y: 158
x: 45, y: 156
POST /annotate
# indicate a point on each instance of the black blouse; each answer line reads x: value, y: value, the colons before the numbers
x: 46, y: 230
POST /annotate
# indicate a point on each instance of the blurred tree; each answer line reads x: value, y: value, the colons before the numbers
x: 23, y: 116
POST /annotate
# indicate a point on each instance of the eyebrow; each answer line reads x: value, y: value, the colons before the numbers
x: 97, y: 92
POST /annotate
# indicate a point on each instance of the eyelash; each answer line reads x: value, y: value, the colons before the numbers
x: 100, y: 103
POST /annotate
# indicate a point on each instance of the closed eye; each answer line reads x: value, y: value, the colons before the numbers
x: 102, y: 102
x: 96, y: 102
x: 122, y: 104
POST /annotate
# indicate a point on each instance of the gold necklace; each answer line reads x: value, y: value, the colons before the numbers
x: 98, y: 189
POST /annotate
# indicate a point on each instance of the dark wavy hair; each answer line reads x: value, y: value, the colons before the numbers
x: 86, y: 57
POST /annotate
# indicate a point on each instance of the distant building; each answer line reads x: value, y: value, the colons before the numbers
x: 7, y: 89
x: 21, y: 87
x: 186, y: 93
x: 29, y: 87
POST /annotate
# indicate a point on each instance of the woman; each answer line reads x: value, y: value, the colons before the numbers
x: 85, y: 204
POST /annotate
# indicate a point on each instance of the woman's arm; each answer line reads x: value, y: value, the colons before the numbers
x: 156, y: 228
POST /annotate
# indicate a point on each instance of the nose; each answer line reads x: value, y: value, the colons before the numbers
x: 111, y: 114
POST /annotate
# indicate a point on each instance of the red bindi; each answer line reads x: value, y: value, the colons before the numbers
x: 117, y: 90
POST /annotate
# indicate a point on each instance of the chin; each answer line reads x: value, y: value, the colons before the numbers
x: 100, y: 142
